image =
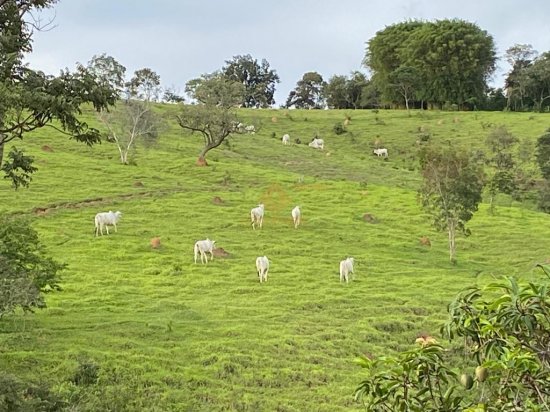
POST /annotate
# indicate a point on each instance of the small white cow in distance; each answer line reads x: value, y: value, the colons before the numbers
x: 262, y: 266
x: 317, y: 143
x: 257, y: 216
x: 203, y: 247
x: 296, y: 216
x: 286, y: 139
x: 381, y: 152
x: 346, y: 267
x: 106, y: 219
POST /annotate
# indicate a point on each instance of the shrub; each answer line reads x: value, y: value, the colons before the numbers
x: 339, y: 129
x: 87, y: 373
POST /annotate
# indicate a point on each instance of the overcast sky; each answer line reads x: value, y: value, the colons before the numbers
x: 180, y: 40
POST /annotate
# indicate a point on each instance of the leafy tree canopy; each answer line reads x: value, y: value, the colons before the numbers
x: 257, y: 78
x: 308, y: 92
x: 29, y: 99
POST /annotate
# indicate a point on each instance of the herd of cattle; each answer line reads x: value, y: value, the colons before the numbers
x: 318, y: 143
x: 203, y: 247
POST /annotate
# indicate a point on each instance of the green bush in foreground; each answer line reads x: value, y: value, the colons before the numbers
x: 507, y: 336
x: 25, y: 270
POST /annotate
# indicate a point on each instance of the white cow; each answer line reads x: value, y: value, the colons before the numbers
x: 286, y: 139
x: 317, y: 143
x: 203, y: 247
x: 346, y: 267
x: 250, y: 129
x: 262, y: 266
x: 257, y: 216
x: 296, y: 216
x: 381, y: 152
x: 106, y: 219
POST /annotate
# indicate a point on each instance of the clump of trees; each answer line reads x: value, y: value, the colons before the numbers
x: 435, y: 63
x: 505, y: 331
x: 528, y: 82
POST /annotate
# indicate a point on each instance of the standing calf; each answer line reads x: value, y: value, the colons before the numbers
x: 381, y: 152
x: 104, y: 219
x: 203, y: 247
x: 346, y: 267
x: 262, y: 266
x: 296, y: 216
x: 257, y: 216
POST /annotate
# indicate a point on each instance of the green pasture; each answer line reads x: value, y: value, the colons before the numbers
x: 171, y: 335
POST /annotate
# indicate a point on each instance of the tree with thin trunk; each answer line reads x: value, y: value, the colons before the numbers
x: 405, y: 80
x: 451, y: 191
x: 214, y: 114
x: 214, y: 123
x: 134, y: 119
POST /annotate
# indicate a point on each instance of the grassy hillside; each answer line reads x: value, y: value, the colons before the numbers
x: 171, y: 335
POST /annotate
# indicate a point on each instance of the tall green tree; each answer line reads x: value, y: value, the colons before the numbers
x: 308, y: 93
x: 214, y: 117
x: 405, y: 81
x: 501, y: 144
x: 538, y: 81
x: 29, y: 99
x: 451, y: 191
x: 519, y: 57
x: 258, y: 79
x: 134, y: 120
x: 335, y: 92
x: 383, y: 55
x: 453, y: 59
x: 342, y: 92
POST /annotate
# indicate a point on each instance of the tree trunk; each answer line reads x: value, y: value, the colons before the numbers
x: 1, y: 151
x: 452, y: 244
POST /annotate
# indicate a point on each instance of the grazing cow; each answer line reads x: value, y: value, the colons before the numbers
x: 286, y: 139
x: 203, y: 247
x: 381, y: 152
x: 262, y: 266
x: 346, y: 267
x: 317, y: 143
x: 296, y: 216
x: 257, y: 216
x: 250, y: 129
x: 106, y: 219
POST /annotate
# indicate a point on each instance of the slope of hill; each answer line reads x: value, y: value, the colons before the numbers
x: 167, y: 334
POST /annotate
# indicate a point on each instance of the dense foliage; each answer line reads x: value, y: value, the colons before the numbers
x: 506, y: 336
x: 441, y: 63
x: 308, y: 93
x: 25, y: 269
x: 257, y: 78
